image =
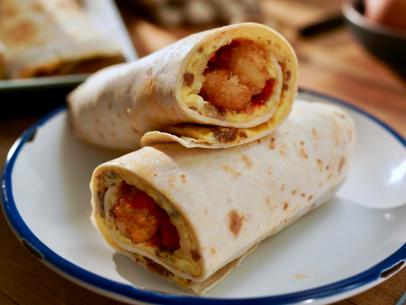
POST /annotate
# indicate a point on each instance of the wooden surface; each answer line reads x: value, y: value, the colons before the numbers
x: 332, y: 63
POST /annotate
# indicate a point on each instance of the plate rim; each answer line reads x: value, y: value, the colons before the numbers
x: 370, y: 277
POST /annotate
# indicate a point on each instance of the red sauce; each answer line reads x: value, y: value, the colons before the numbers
x: 221, y: 58
x: 156, y: 225
x: 261, y: 98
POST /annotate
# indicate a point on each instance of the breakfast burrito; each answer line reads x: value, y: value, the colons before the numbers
x: 191, y: 215
x: 218, y: 88
x: 52, y: 38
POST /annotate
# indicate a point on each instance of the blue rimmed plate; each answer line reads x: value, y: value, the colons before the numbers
x: 352, y: 243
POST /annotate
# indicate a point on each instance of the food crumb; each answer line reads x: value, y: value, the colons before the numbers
x: 300, y: 276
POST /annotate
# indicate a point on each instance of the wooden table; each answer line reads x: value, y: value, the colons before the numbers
x: 332, y: 63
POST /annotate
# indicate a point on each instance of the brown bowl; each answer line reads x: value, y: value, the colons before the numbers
x: 387, y: 43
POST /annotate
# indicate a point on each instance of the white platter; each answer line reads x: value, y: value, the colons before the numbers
x: 352, y: 243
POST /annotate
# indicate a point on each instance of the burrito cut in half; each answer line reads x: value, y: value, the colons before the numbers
x: 218, y: 88
x: 191, y: 215
x: 45, y: 38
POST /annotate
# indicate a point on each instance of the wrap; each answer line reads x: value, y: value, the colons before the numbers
x: 191, y: 215
x: 52, y: 38
x: 218, y: 88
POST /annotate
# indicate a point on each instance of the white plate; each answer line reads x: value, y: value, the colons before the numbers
x: 337, y: 251
x: 106, y: 18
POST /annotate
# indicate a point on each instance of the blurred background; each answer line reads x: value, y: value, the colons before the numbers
x: 354, y: 50
x: 378, y: 25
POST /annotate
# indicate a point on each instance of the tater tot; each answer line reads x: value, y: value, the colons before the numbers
x: 137, y: 223
x: 225, y: 91
x: 235, y: 74
x: 249, y: 62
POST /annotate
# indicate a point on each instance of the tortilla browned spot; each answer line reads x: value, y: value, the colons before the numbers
x: 188, y: 78
x: 213, y: 250
x: 285, y: 206
x: 272, y: 143
x: 341, y: 165
x: 320, y: 164
x: 302, y: 153
x: 172, y: 182
x: 183, y: 178
x: 231, y: 170
x: 224, y: 135
x: 247, y: 161
x: 235, y: 222
x: 195, y: 255
x: 314, y: 133
x: 283, y: 149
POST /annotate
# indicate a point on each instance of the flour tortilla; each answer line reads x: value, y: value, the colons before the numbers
x: 223, y: 202
x: 155, y: 99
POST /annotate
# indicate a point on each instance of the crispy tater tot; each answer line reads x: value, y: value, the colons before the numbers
x: 225, y: 91
x: 138, y: 223
x: 139, y: 218
x: 249, y: 62
x: 235, y: 74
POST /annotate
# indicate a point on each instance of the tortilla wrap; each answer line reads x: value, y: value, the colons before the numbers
x: 222, y: 202
x: 218, y: 88
x: 52, y: 38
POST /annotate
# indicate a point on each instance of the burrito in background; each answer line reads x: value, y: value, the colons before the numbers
x: 55, y: 37
x: 219, y: 88
x: 191, y: 215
